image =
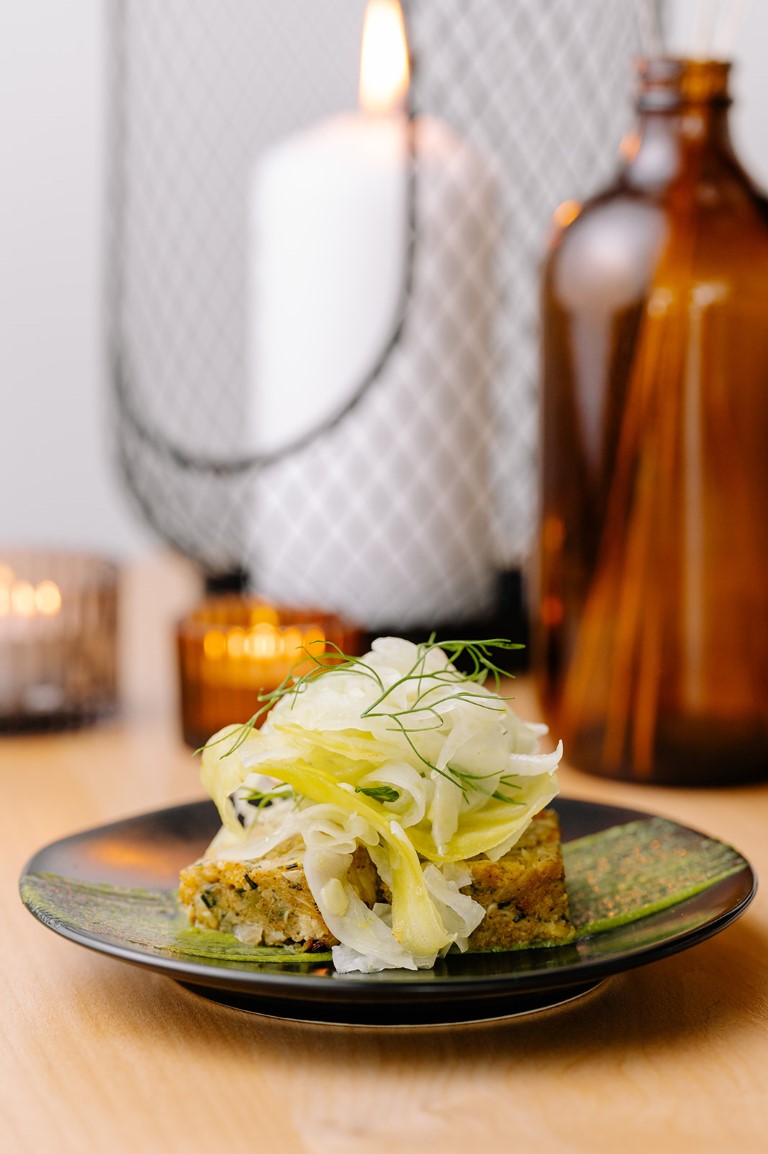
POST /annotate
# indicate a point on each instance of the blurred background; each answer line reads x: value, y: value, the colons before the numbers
x: 58, y: 479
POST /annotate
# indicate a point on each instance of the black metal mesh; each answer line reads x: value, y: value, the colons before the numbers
x: 385, y: 512
x: 543, y: 87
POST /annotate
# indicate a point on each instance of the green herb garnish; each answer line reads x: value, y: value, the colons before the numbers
x: 382, y: 793
x: 423, y: 714
x: 263, y: 797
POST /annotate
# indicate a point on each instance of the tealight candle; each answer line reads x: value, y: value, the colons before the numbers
x: 58, y: 624
x: 232, y: 649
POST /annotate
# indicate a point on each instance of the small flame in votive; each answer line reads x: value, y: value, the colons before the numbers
x: 24, y: 599
x: 264, y: 641
x: 214, y: 645
x: 384, y: 70
x: 47, y: 598
x: 236, y: 642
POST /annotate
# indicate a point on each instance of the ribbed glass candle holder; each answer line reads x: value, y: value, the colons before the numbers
x: 58, y: 639
x: 232, y: 649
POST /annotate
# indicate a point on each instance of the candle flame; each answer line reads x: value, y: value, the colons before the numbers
x: 263, y: 641
x: 384, y: 70
x: 22, y: 598
x: 48, y: 598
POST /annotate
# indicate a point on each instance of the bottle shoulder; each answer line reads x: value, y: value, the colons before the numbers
x: 721, y: 185
x: 613, y: 245
x: 607, y: 252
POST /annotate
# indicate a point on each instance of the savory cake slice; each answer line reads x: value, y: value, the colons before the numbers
x: 524, y: 893
x: 269, y: 901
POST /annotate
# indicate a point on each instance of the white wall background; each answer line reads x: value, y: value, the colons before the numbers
x: 58, y: 484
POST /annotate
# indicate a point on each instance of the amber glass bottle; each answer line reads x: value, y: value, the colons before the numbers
x: 651, y: 592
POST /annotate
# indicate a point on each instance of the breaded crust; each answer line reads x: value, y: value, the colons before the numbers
x: 523, y: 893
x: 266, y: 901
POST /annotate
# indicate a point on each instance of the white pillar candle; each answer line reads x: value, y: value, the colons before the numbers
x: 330, y: 231
x: 387, y: 518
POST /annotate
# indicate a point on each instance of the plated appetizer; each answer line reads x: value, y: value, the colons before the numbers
x: 392, y: 807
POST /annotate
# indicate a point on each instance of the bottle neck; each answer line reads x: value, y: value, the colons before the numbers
x: 682, y: 113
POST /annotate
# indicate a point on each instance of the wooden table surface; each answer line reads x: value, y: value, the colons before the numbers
x: 97, y: 1055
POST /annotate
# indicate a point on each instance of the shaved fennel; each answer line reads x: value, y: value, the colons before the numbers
x: 399, y: 751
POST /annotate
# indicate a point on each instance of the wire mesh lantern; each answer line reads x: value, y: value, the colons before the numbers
x: 324, y: 354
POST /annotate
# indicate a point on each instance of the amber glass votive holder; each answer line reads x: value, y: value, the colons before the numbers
x: 58, y: 639
x: 233, y: 648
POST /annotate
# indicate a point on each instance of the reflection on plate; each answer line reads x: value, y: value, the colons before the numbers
x: 111, y: 889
